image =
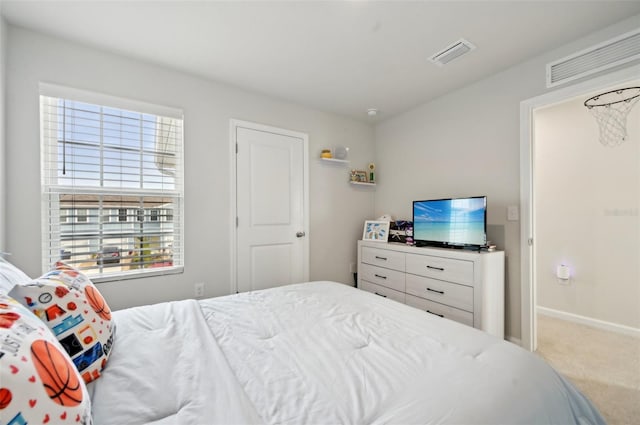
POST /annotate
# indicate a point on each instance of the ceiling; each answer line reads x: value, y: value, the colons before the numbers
x: 342, y: 57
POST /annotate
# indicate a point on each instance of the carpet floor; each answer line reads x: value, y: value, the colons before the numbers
x: 605, y: 366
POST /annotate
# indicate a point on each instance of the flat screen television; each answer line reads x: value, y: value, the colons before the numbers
x: 451, y: 223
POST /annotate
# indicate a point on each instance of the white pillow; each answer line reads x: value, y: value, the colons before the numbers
x: 10, y: 276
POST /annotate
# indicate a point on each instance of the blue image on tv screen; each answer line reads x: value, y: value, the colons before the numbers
x: 451, y: 221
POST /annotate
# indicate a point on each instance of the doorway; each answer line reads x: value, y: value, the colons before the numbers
x: 527, y: 168
x: 587, y: 196
x: 270, y: 231
x: 582, y: 205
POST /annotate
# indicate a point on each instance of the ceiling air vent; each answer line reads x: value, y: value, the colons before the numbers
x: 452, y: 52
x: 617, y: 51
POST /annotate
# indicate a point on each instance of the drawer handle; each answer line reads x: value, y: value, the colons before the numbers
x: 381, y: 258
x: 436, y: 268
x: 383, y: 296
x: 435, y: 314
x: 433, y: 290
x: 381, y: 277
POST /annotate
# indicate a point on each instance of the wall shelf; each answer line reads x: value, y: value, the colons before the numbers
x: 334, y: 160
x: 363, y: 183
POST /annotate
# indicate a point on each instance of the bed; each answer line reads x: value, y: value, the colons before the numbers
x: 320, y: 353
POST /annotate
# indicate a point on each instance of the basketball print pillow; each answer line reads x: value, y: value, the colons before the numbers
x: 38, y: 382
x: 77, y: 314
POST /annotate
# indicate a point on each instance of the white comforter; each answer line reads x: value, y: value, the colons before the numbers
x: 321, y: 353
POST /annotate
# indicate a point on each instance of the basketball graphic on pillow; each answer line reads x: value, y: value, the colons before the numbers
x: 77, y: 314
x: 97, y: 303
x: 56, y: 373
x: 38, y: 382
x: 5, y: 397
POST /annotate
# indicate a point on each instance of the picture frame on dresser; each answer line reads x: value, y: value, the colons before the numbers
x: 376, y: 231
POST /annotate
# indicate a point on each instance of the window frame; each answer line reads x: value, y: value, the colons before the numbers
x: 55, y: 190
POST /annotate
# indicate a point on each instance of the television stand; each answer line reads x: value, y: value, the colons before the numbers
x: 457, y: 284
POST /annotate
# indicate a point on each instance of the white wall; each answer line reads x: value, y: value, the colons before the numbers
x: 3, y: 49
x: 587, y: 202
x: 467, y: 143
x: 337, y: 211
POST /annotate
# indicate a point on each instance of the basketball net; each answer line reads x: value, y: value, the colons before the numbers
x: 610, y: 110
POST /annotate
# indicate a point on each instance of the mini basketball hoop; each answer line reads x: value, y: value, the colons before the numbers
x: 610, y: 110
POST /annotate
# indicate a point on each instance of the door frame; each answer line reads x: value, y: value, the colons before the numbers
x: 234, y: 124
x: 527, y: 170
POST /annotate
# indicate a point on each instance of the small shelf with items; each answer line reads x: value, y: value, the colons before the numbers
x: 364, y: 177
x: 335, y: 160
x: 338, y: 155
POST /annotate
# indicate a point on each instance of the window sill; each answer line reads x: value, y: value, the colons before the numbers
x: 139, y: 275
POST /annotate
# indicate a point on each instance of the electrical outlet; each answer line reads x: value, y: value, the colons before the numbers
x: 199, y: 289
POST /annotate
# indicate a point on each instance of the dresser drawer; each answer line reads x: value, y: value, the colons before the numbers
x: 383, y: 258
x: 442, y: 310
x: 386, y: 277
x: 382, y: 291
x: 453, y: 270
x: 451, y: 294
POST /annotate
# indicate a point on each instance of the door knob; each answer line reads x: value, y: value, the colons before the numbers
x: 300, y: 234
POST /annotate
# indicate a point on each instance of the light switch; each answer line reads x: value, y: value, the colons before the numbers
x: 513, y: 213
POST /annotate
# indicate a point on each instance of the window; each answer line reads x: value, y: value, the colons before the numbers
x: 64, y: 215
x: 122, y: 214
x: 112, y: 189
x: 82, y: 216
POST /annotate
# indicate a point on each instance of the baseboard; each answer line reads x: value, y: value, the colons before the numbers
x: 588, y: 321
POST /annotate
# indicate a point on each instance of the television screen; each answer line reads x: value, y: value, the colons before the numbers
x: 456, y: 222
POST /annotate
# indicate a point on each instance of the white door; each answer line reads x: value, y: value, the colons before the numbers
x: 271, y: 239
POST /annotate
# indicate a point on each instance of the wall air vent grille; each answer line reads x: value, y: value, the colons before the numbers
x: 454, y: 51
x: 617, y: 51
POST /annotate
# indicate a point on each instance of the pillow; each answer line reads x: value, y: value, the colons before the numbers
x: 38, y: 383
x: 68, y: 302
x: 10, y: 275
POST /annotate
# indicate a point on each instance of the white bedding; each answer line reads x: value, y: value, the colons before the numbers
x: 321, y: 353
x: 167, y: 369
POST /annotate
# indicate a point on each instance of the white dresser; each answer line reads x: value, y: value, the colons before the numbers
x: 461, y: 285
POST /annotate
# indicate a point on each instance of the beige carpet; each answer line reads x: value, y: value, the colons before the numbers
x: 605, y: 366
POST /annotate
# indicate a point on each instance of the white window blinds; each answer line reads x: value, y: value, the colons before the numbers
x: 112, y: 188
